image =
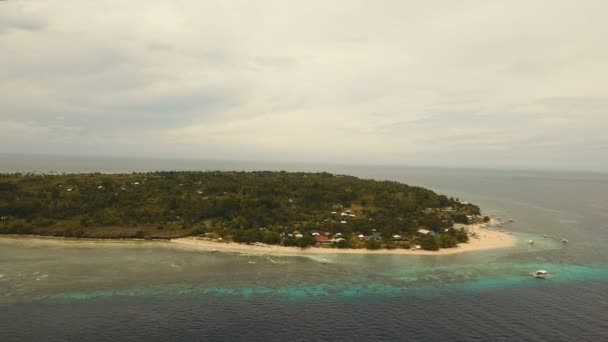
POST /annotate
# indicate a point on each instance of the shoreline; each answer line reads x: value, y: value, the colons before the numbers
x: 484, y: 239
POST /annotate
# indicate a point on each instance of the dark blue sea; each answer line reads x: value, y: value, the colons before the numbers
x: 152, y: 291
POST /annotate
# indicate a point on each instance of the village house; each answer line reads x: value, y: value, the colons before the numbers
x: 323, y: 240
x: 426, y: 232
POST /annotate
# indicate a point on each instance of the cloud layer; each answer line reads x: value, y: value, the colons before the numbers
x: 468, y: 83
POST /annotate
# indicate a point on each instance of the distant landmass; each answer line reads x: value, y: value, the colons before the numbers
x: 275, y: 208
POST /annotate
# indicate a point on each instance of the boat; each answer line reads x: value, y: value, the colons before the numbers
x: 541, y: 274
x: 564, y: 241
x: 545, y: 236
x: 531, y: 242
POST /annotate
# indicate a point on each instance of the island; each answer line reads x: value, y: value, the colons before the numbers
x: 265, y: 209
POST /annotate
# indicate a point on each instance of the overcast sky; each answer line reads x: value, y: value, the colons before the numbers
x: 519, y: 84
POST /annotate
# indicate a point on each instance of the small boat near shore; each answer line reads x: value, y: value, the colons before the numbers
x: 564, y: 241
x: 541, y: 274
x: 531, y: 242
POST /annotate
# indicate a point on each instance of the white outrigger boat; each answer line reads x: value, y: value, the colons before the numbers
x: 541, y: 274
x: 564, y: 241
x: 531, y: 242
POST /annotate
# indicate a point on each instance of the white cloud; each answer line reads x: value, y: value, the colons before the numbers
x: 419, y: 82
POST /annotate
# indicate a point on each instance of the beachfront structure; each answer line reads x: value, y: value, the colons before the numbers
x: 323, y: 240
x: 425, y: 232
x: 361, y: 236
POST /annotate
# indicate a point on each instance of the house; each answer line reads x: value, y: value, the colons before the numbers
x: 323, y: 240
x: 426, y: 232
x: 338, y: 234
x: 361, y: 236
x: 315, y: 234
x: 343, y: 222
x: 399, y: 239
x: 338, y: 240
x: 298, y: 235
x: 343, y: 214
x: 333, y: 213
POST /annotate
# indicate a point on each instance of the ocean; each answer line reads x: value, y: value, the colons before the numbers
x: 154, y: 291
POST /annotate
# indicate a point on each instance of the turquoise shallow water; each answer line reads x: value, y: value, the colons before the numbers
x: 53, y: 290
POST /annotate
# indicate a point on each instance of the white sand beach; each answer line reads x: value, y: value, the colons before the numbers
x: 483, y: 239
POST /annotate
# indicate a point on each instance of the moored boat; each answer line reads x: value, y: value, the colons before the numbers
x: 541, y: 274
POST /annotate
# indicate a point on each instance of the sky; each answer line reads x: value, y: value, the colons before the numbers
x: 498, y: 84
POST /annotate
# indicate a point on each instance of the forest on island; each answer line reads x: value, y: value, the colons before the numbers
x: 264, y: 206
